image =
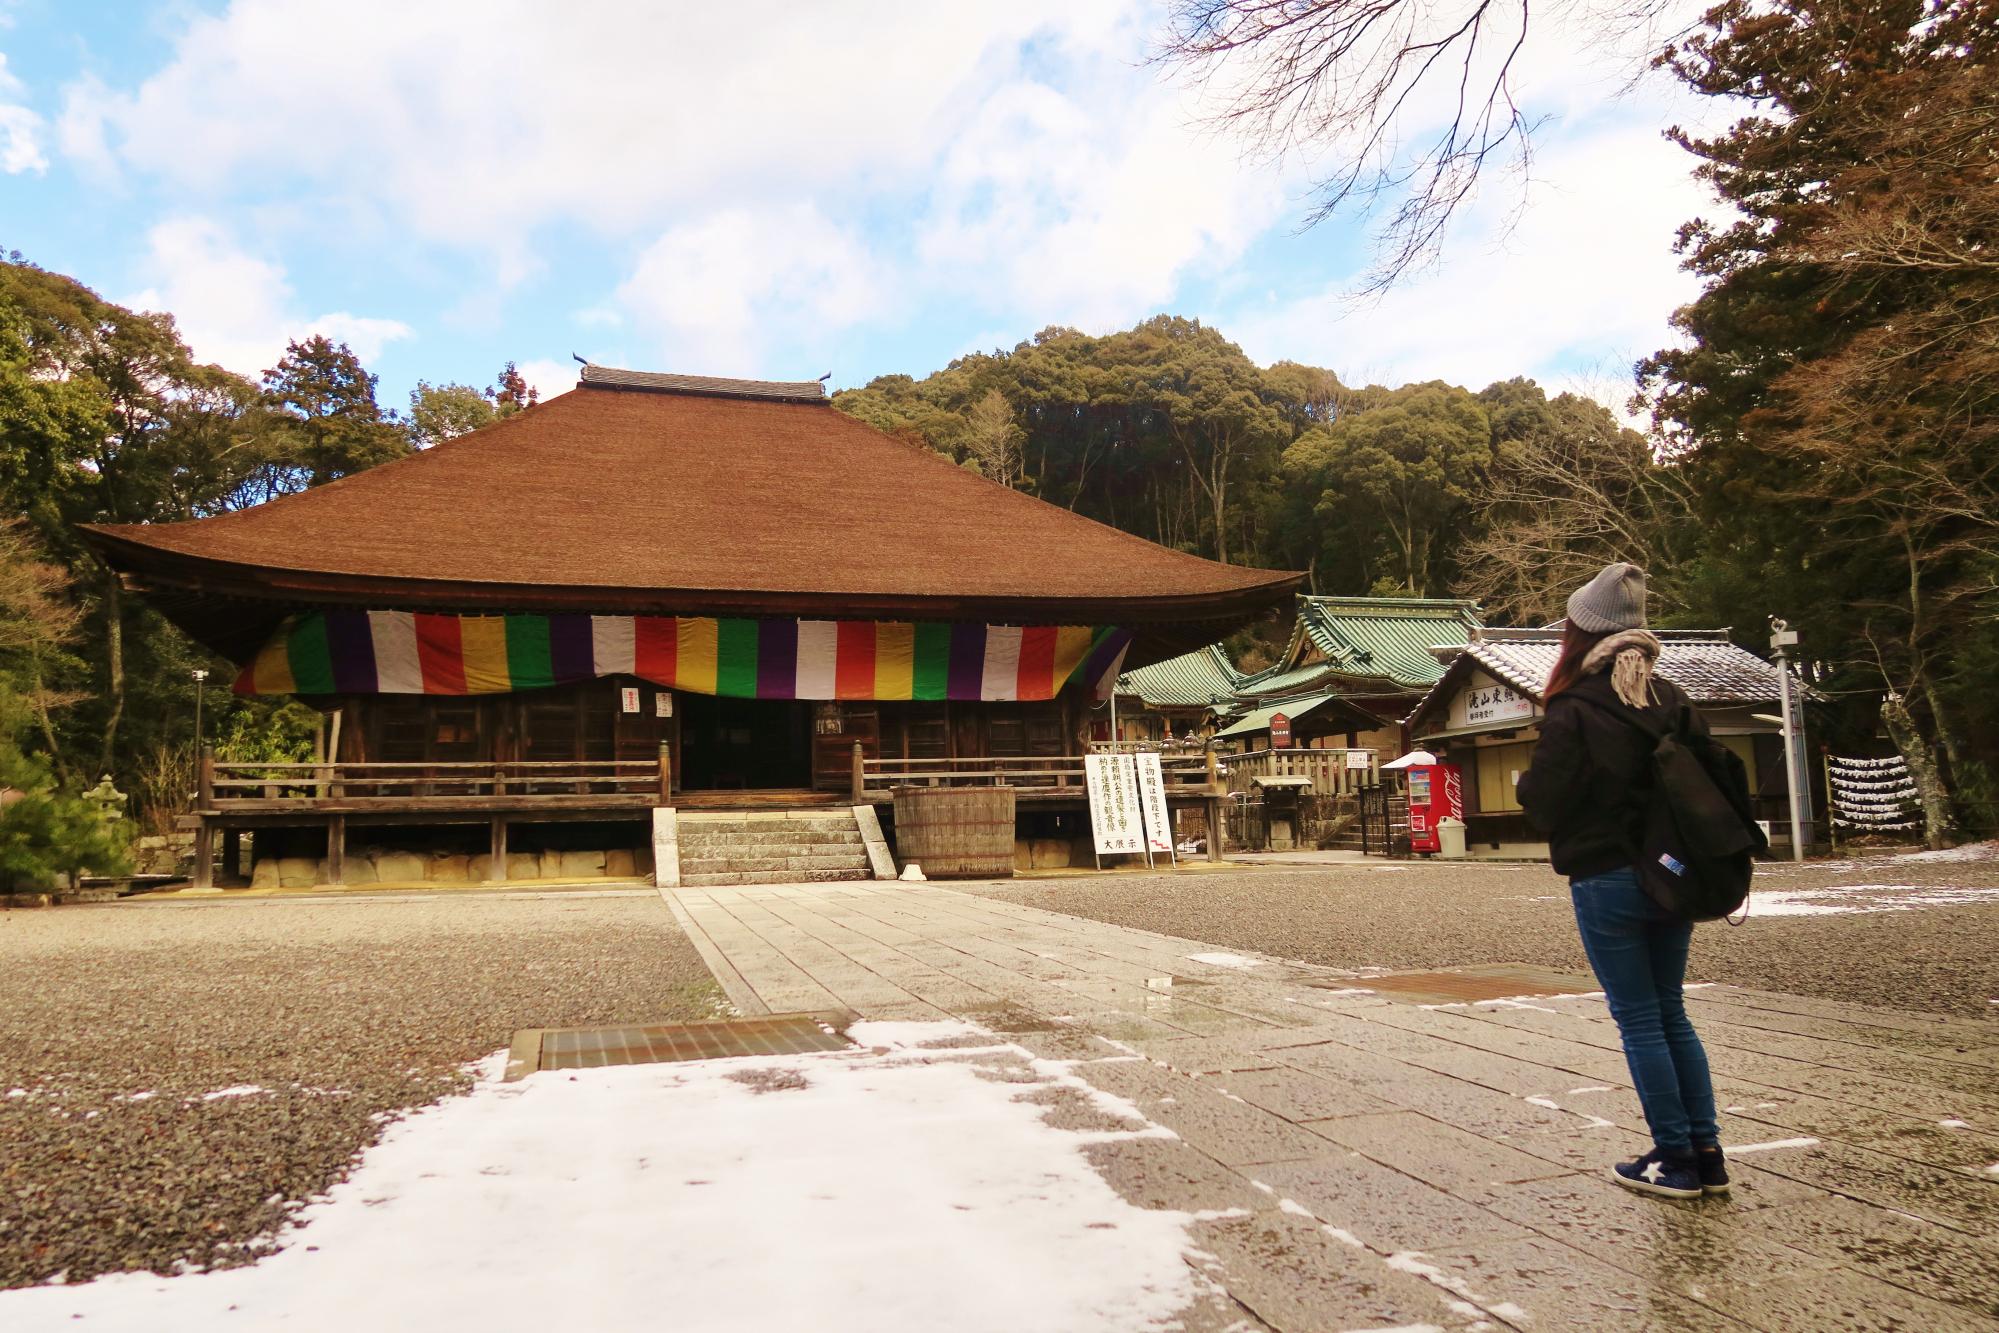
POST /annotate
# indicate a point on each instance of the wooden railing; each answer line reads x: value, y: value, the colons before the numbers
x: 874, y: 779
x: 1325, y: 769
x: 225, y: 786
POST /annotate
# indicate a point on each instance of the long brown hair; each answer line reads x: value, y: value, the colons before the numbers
x: 1576, y: 644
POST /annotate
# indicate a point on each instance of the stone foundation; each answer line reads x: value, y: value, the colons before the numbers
x: 380, y: 865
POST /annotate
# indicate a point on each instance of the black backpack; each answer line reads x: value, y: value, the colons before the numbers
x: 1697, y: 841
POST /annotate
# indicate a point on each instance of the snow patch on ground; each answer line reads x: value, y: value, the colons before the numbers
x: 1865, y: 898
x: 1233, y: 960
x: 883, y: 1189
x: 1971, y: 851
x: 1736, y: 1150
x: 240, y: 1090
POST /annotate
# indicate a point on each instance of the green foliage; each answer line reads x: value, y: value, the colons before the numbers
x: 440, y: 412
x: 324, y: 400
x: 1835, y: 403
x: 46, y: 834
x: 1391, y: 484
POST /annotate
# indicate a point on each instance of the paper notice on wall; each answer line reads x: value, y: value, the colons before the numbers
x: 1152, y: 803
x: 1116, y: 824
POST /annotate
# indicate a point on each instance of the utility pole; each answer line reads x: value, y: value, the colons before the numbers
x: 1782, y: 636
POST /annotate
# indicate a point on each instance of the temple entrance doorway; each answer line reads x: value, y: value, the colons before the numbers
x: 743, y: 744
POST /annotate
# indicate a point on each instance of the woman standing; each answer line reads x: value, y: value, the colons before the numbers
x: 1588, y: 788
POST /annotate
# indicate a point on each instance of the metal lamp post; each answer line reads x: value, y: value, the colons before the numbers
x: 1782, y: 636
x: 200, y: 687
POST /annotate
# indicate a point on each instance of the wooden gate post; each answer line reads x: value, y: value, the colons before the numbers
x: 336, y: 849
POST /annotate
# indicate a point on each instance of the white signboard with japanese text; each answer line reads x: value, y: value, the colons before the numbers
x: 1116, y: 824
x: 1152, y: 802
x: 628, y: 698
x: 1484, y: 701
x: 1360, y: 760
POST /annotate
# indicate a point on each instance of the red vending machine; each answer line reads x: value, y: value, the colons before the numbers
x: 1436, y: 792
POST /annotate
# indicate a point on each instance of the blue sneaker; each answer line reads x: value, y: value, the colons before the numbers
x: 1672, y: 1177
x: 1713, y: 1168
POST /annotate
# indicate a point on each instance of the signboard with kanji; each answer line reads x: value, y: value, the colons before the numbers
x: 1280, y: 732
x: 1116, y: 823
x: 1152, y: 803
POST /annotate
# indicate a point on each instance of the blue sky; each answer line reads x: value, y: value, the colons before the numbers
x: 859, y: 188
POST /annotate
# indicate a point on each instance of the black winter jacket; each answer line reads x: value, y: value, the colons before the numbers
x: 1591, y: 775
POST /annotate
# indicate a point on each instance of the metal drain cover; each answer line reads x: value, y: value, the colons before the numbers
x: 660, y: 1043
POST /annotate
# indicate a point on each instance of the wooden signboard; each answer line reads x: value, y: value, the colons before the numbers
x: 1152, y: 804
x: 1117, y: 826
x: 1280, y: 732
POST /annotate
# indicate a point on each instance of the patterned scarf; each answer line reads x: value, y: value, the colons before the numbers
x: 1628, y: 655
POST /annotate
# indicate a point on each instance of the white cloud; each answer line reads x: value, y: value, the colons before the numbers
x: 476, y: 121
x: 716, y: 293
x: 1583, y: 281
x: 20, y: 128
x: 549, y: 377
x: 236, y: 309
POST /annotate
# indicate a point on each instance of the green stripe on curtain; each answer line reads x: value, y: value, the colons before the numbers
x: 933, y: 662
x: 736, y: 659
x: 527, y: 653
x: 310, y: 656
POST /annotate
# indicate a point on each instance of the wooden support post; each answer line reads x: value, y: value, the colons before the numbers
x: 232, y: 855
x: 204, y: 779
x: 336, y: 849
x: 204, y: 854
x: 860, y: 774
x: 1214, y: 772
x: 496, y: 868
x: 1217, y: 826
x: 665, y: 773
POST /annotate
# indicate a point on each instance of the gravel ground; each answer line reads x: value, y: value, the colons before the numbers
x: 1936, y: 959
x: 174, y: 1078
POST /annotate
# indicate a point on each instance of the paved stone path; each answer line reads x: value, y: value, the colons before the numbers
x: 1381, y: 1162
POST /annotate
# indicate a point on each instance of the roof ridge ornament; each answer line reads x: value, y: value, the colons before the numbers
x: 703, y: 386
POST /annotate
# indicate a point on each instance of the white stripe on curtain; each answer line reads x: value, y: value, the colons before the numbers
x: 1002, y: 674
x: 398, y: 669
x: 611, y: 645
x: 818, y: 654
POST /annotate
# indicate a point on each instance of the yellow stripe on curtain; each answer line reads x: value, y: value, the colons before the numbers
x: 694, y: 662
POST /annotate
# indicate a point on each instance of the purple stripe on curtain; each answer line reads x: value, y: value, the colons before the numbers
x: 968, y: 662
x: 1110, y: 646
x: 570, y: 655
x: 350, y: 642
x: 777, y: 659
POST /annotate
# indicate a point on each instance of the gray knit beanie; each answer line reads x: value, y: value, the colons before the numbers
x: 1613, y: 600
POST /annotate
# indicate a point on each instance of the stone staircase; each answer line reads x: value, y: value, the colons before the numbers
x: 774, y: 847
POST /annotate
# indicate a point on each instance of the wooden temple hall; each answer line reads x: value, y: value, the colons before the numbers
x: 718, y: 598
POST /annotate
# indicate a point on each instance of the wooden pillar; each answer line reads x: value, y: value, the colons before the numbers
x: 336, y: 849
x: 204, y: 853
x: 232, y: 855
x: 860, y: 774
x: 1217, y: 825
x: 496, y: 868
x: 665, y: 773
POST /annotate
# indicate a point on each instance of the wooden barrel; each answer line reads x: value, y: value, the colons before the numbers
x: 956, y: 832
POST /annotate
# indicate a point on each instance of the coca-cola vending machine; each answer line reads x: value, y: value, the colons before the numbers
x: 1436, y: 793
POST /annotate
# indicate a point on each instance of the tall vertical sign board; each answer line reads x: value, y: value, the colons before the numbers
x: 1116, y: 824
x: 1152, y: 801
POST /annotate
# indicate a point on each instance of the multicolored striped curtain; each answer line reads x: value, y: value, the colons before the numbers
x: 402, y: 652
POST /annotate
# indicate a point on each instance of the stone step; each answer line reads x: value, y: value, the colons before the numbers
x: 826, y: 822
x: 693, y: 865
x: 718, y: 879
x: 758, y: 838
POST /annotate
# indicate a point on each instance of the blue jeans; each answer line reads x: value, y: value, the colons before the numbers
x: 1639, y: 954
